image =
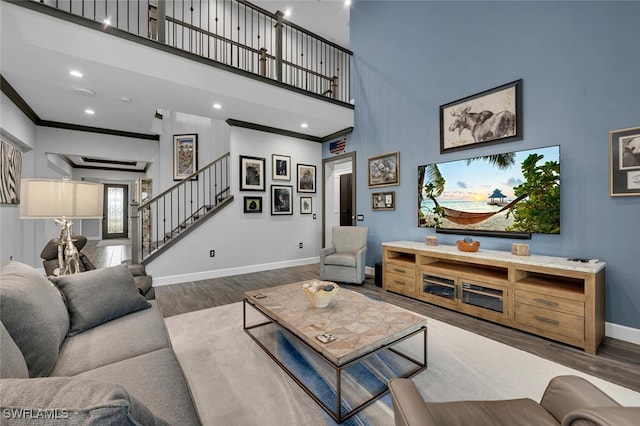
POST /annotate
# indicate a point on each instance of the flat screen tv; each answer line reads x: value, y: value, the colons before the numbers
x: 511, y: 195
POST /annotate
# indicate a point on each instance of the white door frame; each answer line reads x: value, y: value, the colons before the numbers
x: 331, y: 191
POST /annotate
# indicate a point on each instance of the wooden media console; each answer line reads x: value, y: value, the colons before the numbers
x: 548, y: 296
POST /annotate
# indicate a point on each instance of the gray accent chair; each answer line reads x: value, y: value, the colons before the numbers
x: 567, y: 401
x: 344, y: 260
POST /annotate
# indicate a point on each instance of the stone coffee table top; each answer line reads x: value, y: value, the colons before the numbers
x: 360, y: 324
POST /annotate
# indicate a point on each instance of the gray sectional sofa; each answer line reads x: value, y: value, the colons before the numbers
x: 87, y: 350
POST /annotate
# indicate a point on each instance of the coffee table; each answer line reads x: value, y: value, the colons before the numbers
x: 371, y: 343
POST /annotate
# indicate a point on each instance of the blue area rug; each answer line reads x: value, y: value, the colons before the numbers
x: 359, y: 381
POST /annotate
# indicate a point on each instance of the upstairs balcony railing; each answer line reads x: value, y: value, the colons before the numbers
x: 235, y: 33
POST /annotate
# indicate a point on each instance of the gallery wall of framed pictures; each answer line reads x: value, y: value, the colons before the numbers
x: 282, y: 201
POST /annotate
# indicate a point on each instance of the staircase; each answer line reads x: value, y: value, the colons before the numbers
x: 170, y: 216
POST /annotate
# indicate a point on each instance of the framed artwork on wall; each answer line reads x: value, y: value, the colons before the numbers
x: 624, y: 148
x: 253, y: 204
x: 306, y: 205
x: 383, y: 200
x: 281, y: 199
x: 306, y: 178
x: 384, y: 170
x: 251, y: 173
x: 492, y: 116
x: 185, y: 156
x: 280, y: 167
x: 11, y: 172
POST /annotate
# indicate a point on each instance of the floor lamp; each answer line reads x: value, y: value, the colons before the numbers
x: 61, y: 200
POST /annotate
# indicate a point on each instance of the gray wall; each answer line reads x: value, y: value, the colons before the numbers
x: 249, y: 242
x: 579, y: 62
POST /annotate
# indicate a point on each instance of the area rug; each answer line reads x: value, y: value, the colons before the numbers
x: 234, y: 382
x: 114, y: 242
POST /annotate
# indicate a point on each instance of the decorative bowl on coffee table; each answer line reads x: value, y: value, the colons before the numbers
x: 320, y: 293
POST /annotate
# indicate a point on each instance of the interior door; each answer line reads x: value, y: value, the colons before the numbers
x: 115, y: 222
x: 346, y: 210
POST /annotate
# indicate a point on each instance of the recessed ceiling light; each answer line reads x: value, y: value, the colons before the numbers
x: 89, y: 111
x: 126, y: 100
x: 84, y: 91
x: 304, y: 125
x: 287, y: 12
x: 217, y: 106
x: 75, y: 73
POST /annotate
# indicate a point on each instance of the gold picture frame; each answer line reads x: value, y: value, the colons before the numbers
x: 185, y: 156
x: 384, y: 170
x: 383, y: 200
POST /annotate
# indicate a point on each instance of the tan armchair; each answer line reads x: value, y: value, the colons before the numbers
x: 344, y: 260
x: 567, y: 401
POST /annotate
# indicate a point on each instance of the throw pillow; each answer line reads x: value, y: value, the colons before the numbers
x: 34, y: 314
x: 95, y: 297
x: 71, y: 401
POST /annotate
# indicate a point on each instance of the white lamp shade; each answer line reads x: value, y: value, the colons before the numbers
x: 49, y: 198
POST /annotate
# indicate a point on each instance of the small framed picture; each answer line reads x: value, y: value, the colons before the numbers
x: 306, y: 178
x: 306, y: 205
x: 384, y: 170
x: 251, y: 173
x: 281, y: 199
x: 624, y: 146
x: 10, y: 173
x: 280, y: 167
x: 185, y: 156
x: 253, y: 204
x: 383, y: 200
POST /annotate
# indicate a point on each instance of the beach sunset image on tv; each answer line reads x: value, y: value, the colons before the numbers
x: 514, y: 192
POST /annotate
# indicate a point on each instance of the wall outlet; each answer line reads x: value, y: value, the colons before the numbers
x: 300, y: 245
x: 212, y: 253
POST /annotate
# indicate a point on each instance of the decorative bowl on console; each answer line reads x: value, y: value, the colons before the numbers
x: 320, y: 293
x: 468, y: 245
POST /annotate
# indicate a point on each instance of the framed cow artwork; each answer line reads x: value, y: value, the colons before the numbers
x: 488, y: 117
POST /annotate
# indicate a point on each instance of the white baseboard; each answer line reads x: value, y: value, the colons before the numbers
x: 219, y: 273
x: 369, y: 271
x: 622, y: 332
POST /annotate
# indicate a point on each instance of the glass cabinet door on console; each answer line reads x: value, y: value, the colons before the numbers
x: 483, y: 300
x: 439, y: 289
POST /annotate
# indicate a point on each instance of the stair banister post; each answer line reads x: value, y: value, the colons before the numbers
x: 135, y: 239
x: 263, y: 61
x: 334, y: 87
x: 162, y: 14
x: 279, y: 27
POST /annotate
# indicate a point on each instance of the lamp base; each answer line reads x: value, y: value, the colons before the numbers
x: 68, y: 258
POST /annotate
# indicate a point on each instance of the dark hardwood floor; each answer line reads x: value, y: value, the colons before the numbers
x: 617, y: 361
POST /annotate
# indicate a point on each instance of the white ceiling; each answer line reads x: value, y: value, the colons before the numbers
x: 327, y: 18
x: 37, y: 52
